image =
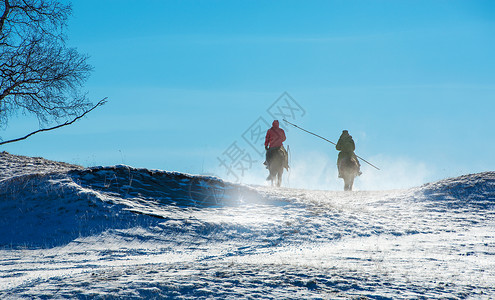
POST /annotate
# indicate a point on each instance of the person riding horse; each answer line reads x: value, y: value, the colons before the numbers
x: 346, y: 147
x: 275, y: 136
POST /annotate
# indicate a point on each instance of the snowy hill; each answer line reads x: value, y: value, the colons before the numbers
x: 113, y: 232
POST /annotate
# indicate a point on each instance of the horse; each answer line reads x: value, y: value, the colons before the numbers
x: 276, y: 162
x: 349, y: 169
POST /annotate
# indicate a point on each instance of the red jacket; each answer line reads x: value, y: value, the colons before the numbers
x: 275, y: 136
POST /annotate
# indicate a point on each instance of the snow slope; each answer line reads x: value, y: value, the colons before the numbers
x: 114, y: 232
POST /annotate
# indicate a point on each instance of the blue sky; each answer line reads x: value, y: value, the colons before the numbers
x: 412, y: 81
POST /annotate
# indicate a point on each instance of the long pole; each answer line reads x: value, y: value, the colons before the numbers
x: 329, y: 142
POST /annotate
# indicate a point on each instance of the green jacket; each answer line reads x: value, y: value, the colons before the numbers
x: 345, y: 143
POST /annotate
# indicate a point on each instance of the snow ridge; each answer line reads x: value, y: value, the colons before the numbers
x: 48, y: 208
x: 474, y: 190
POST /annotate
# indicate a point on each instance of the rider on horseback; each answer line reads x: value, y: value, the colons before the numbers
x: 346, y: 147
x: 275, y: 136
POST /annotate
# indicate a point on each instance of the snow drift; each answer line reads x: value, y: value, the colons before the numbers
x: 53, y: 208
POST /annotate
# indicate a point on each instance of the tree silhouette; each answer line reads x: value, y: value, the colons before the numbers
x: 39, y: 74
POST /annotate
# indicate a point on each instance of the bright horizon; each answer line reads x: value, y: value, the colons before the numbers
x: 412, y: 81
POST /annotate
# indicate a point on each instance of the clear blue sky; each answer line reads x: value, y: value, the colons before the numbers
x: 412, y: 81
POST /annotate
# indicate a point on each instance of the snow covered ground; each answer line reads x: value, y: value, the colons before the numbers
x: 121, y: 232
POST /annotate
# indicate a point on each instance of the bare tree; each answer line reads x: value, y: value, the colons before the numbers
x: 39, y: 74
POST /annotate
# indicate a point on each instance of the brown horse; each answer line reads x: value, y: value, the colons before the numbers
x: 349, y: 169
x: 276, y: 162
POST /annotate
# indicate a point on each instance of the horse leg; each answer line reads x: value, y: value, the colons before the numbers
x: 271, y: 176
x: 348, y: 182
x: 347, y: 185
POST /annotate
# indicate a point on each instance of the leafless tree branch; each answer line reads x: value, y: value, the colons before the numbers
x: 100, y: 103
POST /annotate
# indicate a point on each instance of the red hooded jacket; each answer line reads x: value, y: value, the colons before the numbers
x: 275, y: 136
